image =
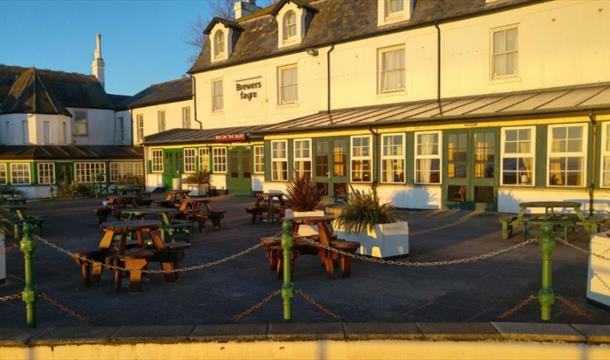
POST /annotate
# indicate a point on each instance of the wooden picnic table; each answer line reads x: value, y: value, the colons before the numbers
x: 559, y: 214
x: 168, y: 226
x: 269, y: 203
x: 190, y: 208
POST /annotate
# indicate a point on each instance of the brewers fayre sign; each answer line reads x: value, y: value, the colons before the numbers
x: 231, y: 138
x: 248, y: 88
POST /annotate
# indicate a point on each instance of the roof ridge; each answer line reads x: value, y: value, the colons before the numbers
x: 23, y: 68
x: 44, y: 88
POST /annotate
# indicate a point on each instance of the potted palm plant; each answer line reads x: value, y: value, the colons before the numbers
x: 198, y: 183
x: 365, y: 220
x: 304, y: 198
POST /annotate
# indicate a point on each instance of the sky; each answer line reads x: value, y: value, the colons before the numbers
x: 143, y: 42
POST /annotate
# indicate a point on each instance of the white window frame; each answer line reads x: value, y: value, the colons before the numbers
x: 186, y: 117
x: 140, y: 127
x: 90, y: 169
x: 280, y: 87
x: 85, y: 121
x: 531, y: 154
x: 218, y: 97
x: 492, y: 70
x: 287, y: 38
x: 259, y: 156
x: 119, y: 169
x: 14, y: 170
x: 121, y: 121
x: 604, y: 153
x: 50, y: 168
x: 204, y: 153
x: 219, y: 159
x: 360, y: 158
x: 156, y: 154
x: 219, y: 51
x: 161, y: 121
x: 302, y: 159
x: 3, y: 173
x: 283, y: 159
x: 582, y: 153
x: 381, y: 71
x: 190, y: 160
x: 438, y: 156
x: 402, y: 157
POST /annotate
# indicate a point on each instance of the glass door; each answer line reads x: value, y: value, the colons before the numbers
x: 239, y: 179
x: 471, y: 161
x: 331, y: 170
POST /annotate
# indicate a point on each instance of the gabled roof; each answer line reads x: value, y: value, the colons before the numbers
x: 340, y: 21
x: 30, y: 95
x: 226, y: 22
x: 75, y: 152
x: 169, y: 91
x: 120, y: 101
x: 72, y: 89
x: 300, y: 3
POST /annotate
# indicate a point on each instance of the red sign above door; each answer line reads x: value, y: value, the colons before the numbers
x: 231, y: 138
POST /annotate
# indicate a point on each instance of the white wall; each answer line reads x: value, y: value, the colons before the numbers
x: 100, y: 129
x: 11, y: 129
x: 127, y: 126
x: 173, y: 117
x: 509, y: 198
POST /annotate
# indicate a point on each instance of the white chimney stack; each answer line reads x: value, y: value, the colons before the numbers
x: 244, y: 7
x: 97, y: 65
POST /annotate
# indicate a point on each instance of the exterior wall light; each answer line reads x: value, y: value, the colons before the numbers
x: 313, y: 51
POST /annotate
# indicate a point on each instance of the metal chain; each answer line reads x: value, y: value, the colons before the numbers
x: 419, y: 263
x: 464, y: 219
x: 584, y: 251
x: 150, y: 271
x: 573, y: 308
x: 517, y: 308
x: 320, y: 307
x: 16, y: 296
x: 63, y: 307
x: 256, y: 306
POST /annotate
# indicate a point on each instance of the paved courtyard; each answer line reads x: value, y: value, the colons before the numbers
x: 473, y: 292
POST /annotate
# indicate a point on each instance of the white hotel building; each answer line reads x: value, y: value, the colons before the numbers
x: 455, y: 103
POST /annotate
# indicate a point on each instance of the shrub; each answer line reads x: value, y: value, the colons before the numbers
x: 70, y: 190
x: 199, y: 177
x: 130, y: 180
x: 303, y: 194
x: 363, y: 211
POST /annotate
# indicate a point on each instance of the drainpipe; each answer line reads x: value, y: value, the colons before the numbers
x: 438, y: 67
x: 328, y: 99
x: 375, y: 168
x: 194, y: 82
x: 593, y: 120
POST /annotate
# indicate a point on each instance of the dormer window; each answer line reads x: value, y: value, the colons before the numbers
x: 290, y: 25
x: 393, y: 11
x: 219, y: 43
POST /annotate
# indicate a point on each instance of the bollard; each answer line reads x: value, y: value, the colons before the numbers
x: 28, y: 295
x: 287, y: 288
x: 546, y: 296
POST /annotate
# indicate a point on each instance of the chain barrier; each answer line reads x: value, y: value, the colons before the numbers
x: 12, y: 297
x: 573, y: 308
x: 256, y: 306
x: 517, y: 308
x: 419, y: 263
x: 63, y: 307
x: 319, y: 306
x: 150, y: 271
x: 579, y: 249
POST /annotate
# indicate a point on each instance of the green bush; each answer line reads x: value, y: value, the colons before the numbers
x: 70, y: 190
x: 199, y: 177
x: 363, y: 210
x: 130, y: 180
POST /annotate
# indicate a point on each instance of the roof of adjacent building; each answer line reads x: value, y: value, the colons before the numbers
x: 339, y: 21
x: 30, y: 95
x: 179, y: 136
x: 169, y: 91
x: 120, y: 101
x: 71, y: 89
x: 573, y: 100
x: 73, y: 152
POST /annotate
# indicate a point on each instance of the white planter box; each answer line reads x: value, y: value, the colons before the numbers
x: 196, y: 189
x: 598, y: 288
x: 386, y: 240
x: 2, y: 258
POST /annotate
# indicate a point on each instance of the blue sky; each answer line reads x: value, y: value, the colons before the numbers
x: 143, y: 42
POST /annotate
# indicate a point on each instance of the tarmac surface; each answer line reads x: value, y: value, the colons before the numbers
x: 475, y: 292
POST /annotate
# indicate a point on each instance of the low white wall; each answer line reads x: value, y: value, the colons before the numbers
x: 407, y: 196
x: 270, y: 186
x: 218, y: 182
x: 34, y: 191
x: 258, y: 182
x: 153, y: 181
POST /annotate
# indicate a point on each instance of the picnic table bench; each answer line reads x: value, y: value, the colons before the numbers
x: 17, y: 217
x: 191, y: 209
x: 272, y: 204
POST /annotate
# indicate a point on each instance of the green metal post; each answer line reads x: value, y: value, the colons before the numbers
x: 28, y: 295
x: 546, y: 296
x: 287, y: 288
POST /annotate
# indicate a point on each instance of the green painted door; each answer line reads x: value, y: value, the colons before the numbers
x: 239, y: 177
x: 172, y: 166
x: 331, y: 171
x: 471, y: 163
